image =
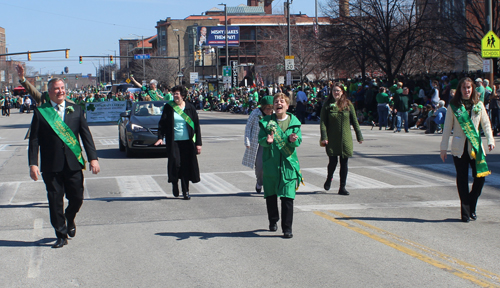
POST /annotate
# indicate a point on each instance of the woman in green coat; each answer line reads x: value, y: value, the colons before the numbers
x: 279, y: 136
x: 337, y: 116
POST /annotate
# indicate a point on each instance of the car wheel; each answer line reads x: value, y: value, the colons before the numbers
x: 120, y: 144
x: 129, y: 152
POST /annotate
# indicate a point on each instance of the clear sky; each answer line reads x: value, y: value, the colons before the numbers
x: 93, y: 27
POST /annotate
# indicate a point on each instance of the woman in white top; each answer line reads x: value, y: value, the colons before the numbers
x: 465, y: 113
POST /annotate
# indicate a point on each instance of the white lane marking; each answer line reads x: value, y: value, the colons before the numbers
x: 36, y: 255
x: 139, y: 186
x: 108, y: 141
x: 415, y: 175
x: 307, y: 187
x: 3, y: 146
x: 355, y: 181
x: 395, y: 205
x: 8, y: 191
x: 212, y: 184
x: 493, y: 179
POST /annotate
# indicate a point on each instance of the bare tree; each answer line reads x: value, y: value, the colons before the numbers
x: 304, y: 49
x: 382, y: 31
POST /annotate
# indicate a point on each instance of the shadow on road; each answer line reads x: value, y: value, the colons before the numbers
x: 13, y: 243
x: 115, y: 153
x: 30, y: 205
x: 208, y: 235
x: 414, y: 220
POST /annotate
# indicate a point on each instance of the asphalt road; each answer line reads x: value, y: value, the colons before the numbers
x: 400, y: 227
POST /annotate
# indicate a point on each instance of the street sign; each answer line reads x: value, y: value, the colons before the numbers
x: 193, y: 77
x: 289, y: 78
x: 128, y: 81
x: 486, y: 66
x: 226, y: 71
x: 142, y: 56
x: 234, y: 74
x: 289, y: 62
x: 490, y: 45
x: 226, y: 79
x: 180, y: 75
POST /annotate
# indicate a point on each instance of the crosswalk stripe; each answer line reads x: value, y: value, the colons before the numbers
x: 355, y: 181
x: 139, y: 186
x: 213, y: 184
x: 109, y: 141
x: 493, y: 179
x: 3, y: 146
x: 8, y: 191
x: 306, y: 187
x: 415, y: 175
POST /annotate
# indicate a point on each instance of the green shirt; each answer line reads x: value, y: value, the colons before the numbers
x: 382, y: 98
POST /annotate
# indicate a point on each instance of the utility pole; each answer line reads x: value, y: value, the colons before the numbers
x: 288, y: 2
x: 489, y: 27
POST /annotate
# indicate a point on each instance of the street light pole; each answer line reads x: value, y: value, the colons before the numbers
x: 143, y: 62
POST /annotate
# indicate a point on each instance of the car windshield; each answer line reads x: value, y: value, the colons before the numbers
x: 149, y: 109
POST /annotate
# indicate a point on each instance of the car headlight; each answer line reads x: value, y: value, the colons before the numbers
x: 137, y: 128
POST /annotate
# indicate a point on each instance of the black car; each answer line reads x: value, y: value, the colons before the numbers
x: 138, y: 127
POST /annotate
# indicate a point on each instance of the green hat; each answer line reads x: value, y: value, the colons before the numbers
x: 420, y: 106
x: 267, y: 100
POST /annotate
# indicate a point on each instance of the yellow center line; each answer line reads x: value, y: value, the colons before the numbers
x: 413, y: 253
x: 465, y: 265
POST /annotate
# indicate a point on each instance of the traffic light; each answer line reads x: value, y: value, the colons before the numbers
x: 111, y: 59
x: 29, y: 56
x: 81, y: 59
x: 67, y: 54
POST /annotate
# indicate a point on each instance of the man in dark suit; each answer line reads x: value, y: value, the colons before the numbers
x: 56, y: 128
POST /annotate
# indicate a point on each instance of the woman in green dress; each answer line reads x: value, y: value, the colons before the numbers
x: 337, y: 116
x: 279, y: 136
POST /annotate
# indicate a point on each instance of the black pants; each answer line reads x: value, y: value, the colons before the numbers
x: 59, y: 184
x: 183, y: 169
x: 286, y: 212
x: 468, y: 200
x: 332, y: 164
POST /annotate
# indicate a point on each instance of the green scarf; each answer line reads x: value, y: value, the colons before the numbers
x: 62, y: 130
x: 184, y: 116
x: 474, y: 138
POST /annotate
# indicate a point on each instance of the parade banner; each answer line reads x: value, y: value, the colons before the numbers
x: 215, y: 36
x: 105, y: 111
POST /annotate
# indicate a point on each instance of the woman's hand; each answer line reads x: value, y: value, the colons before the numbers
x: 443, y: 155
x: 198, y: 150
x: 491, y: 147
x: 293, y: 137
x: 324, y: 143
x: 159, y: 142
x: 270, y: 138
x: 360, y: 142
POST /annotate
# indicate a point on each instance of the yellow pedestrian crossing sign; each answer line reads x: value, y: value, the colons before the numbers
x: 490, y: 45
x: 128, y: 81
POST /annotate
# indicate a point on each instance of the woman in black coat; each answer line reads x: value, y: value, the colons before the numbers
x: 180, y: 127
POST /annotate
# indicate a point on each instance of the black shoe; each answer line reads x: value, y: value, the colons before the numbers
x: 175, y: 190
x: 473, y: 216
x: 273, y: 227
x: 60, y: 243
x: 342, y: 191
x: 287, y: 235
x: 466, y: 220
x: 328, y: 184
x: 186, y: 195
x: 258, y: 190
x: 72, y: 230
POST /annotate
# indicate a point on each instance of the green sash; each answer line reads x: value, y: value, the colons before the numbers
x: 62, y: 130
x: 184, y: 116
x: 474, y: 138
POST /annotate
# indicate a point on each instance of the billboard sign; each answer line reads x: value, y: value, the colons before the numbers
x: 215, y: 36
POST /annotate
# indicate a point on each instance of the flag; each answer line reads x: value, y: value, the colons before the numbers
x: 315, y: 29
